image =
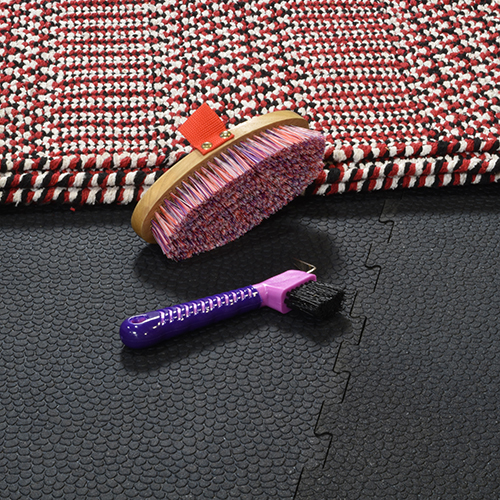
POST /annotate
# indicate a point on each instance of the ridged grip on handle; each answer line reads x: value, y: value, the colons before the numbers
x: 146, y: 330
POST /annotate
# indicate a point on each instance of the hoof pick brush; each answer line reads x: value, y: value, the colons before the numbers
x: 293, y: 289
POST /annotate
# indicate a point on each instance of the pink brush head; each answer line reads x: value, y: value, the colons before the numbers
x: 232, y: 190
x: 299, y: 290
x: 274, y: 290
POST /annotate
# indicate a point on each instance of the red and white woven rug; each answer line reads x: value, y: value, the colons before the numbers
x: 92, y: 92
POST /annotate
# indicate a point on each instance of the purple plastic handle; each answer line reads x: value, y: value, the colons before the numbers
x: 146, y: 330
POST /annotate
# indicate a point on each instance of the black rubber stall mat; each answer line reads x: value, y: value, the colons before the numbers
x: 228, y: 411
x: 420, y: 418
x: 396, y: 397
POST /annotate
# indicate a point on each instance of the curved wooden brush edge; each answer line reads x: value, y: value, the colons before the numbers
x: 185, y: 167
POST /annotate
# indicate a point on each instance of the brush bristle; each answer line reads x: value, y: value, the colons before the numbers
x: 237, y: 190
x: 320, y: 300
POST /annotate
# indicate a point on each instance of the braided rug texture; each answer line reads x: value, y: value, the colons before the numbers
x: 92, y: 92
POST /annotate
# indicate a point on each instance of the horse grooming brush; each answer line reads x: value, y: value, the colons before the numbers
x: 231, y: 182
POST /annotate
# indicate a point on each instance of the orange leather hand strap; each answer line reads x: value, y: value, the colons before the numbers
x: 204, y: 130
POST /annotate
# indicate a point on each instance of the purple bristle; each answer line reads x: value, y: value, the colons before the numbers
x: 237, y: 190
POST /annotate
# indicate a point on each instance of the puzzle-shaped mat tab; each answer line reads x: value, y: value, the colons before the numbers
x: 420, y: 414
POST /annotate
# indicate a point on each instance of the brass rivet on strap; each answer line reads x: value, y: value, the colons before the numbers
x: 206, y: 145
x: 225, y: 134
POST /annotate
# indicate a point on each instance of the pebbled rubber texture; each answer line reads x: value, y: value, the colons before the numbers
x: 395, y: 398
x: 419, y: 418
x: 225, y: 412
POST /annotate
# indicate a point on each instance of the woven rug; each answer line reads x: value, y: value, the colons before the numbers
x: 92, y: 92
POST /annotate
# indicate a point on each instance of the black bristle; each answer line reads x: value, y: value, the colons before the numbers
x: 320, y: 300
